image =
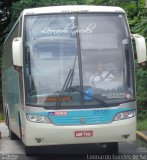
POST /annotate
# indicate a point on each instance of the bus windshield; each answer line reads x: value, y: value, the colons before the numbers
x: 78, y: 60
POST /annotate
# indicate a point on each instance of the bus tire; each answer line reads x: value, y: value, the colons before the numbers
x: 112, y: 148
x: 12, y: 135
x: 29, y: 151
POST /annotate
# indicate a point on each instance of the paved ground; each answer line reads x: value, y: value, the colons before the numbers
x: 14, y: 150
x: 128, y: 151
x: 3, y: 130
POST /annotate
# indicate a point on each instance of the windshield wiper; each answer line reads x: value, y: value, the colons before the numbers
x: 68, y: 80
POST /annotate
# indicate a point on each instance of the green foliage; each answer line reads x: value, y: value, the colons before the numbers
x: 1, y: 116
x: 142, y: 125
x: 142, y: 112
x: 24, y: 4
x: 141, y: 87
x: 141, y: 78
x: 139, y: 25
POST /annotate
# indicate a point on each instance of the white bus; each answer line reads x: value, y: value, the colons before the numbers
x: 68, y: 77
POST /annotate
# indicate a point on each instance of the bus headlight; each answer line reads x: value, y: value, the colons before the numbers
x: 125, y: 115
x: 37, y: 118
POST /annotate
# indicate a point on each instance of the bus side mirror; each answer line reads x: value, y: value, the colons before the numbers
x: 17, y: 53
x: 140, y: 48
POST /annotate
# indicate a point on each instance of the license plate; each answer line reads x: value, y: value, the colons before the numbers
x: 83, y: 133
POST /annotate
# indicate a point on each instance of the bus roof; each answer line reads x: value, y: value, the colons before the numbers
x: 73, y: 8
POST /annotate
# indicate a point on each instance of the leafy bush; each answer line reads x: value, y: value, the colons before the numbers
x: 1, y: 116
x: 141, y: 79
x: 141, y: 87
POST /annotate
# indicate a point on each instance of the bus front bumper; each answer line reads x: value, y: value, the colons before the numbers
x: 40, y: 134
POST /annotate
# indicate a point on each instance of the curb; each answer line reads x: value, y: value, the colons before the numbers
x: 141, y: 136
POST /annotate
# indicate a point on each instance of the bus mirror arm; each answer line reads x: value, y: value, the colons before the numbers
x: 17, y: 53
x: 140, y: 49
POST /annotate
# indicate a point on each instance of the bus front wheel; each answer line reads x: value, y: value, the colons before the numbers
x: 29, y: 151
x: 112, y: 148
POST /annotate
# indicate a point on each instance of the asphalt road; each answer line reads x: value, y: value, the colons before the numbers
x: 14, y: 150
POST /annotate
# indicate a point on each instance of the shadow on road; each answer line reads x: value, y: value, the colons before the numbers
x: 15, y: 150
x: 68, y: 152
